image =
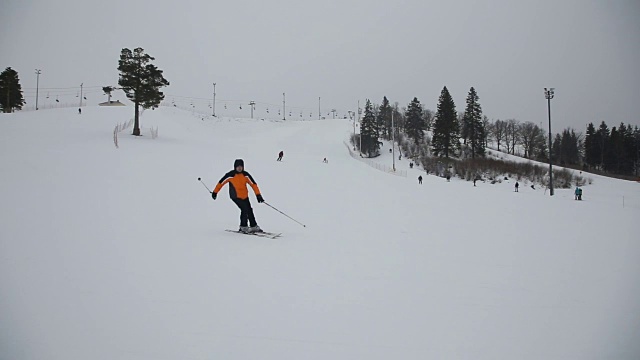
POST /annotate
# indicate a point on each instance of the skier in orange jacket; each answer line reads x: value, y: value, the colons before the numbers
x: 238, y: 179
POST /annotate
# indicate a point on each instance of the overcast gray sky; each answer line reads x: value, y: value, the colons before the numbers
x: 347, y: 50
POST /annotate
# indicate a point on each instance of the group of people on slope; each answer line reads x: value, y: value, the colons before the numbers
x: 238, y: 179
x: 281, y: 154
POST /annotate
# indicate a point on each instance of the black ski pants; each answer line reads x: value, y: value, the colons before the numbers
x: 246, y: 212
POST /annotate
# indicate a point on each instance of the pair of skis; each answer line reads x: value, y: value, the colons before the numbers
x: 264, y: 234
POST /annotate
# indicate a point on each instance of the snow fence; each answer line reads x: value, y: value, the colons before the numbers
x: 373, y: 164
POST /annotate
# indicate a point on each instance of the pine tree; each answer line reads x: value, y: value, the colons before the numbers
x: 107, y: 91
x: 446, y: 129
x: 10, y: 91
x: 369, y: 132
x: 464, y: 129
x: 556, y: 150
x: 570, y: 144
x: 414, y: 125
x: 465, y: 126
x: 473, y: 125
x: 141, y: 81
x: 384, y: 119
x: 629, y: 149
x: 602, y: 140
x: 636, y: 137
x: 622, y: 149
x: 611, y: 153
x: 540, y: 147
x: 591, y: 146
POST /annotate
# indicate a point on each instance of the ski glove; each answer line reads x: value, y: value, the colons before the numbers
x: 260, y: 199
x: 214, y: 195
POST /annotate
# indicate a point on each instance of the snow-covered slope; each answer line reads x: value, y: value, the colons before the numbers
x: 112, y: 253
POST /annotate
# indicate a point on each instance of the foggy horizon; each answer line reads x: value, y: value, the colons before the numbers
x: 343, y: 52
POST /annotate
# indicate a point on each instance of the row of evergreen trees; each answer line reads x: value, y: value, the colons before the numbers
x: 616, y: 150
x: 447, y: 129
x: 467, y: 134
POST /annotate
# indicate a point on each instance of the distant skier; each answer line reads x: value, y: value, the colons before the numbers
x: 578, y: 193
x: 325, y: 161
x: 420, y: 179
x: 533, y: 187
x: 410, y: 165
x: 238, y: 180
x: 79, y: 111
x: 517, y: 186
x: 474, y: 181
x: 280, y: 155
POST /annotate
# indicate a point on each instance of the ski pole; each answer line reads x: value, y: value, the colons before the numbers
x: 204, y: 184
x: 266, y: 203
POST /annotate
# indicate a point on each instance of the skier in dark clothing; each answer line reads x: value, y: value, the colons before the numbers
x: 280, y: 155
x: 517, y: 186
x: 238, y: 180
x: 420, y: 179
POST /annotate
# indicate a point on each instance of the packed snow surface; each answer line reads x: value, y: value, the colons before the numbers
x: 121, y: 253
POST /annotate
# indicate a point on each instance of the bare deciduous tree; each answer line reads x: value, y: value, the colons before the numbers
x: 486, y: 124
x: 498, y: 131
x: 511, y: 135
x: 529, y: 134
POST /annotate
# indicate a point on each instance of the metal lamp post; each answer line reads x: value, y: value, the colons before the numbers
x: 214, y: 100
x: 393, y: 143
x: 548, y: 94
x: 38, y: 72
x: 352, y: 115
x: 360, y: 124
x: 253, y: 107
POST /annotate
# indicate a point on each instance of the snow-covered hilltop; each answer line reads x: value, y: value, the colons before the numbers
x: 112, y: 253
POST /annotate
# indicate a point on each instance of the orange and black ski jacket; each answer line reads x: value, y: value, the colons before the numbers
x: 237, y: 184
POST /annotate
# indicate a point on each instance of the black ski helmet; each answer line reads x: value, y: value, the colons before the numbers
x: 238, y: 162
